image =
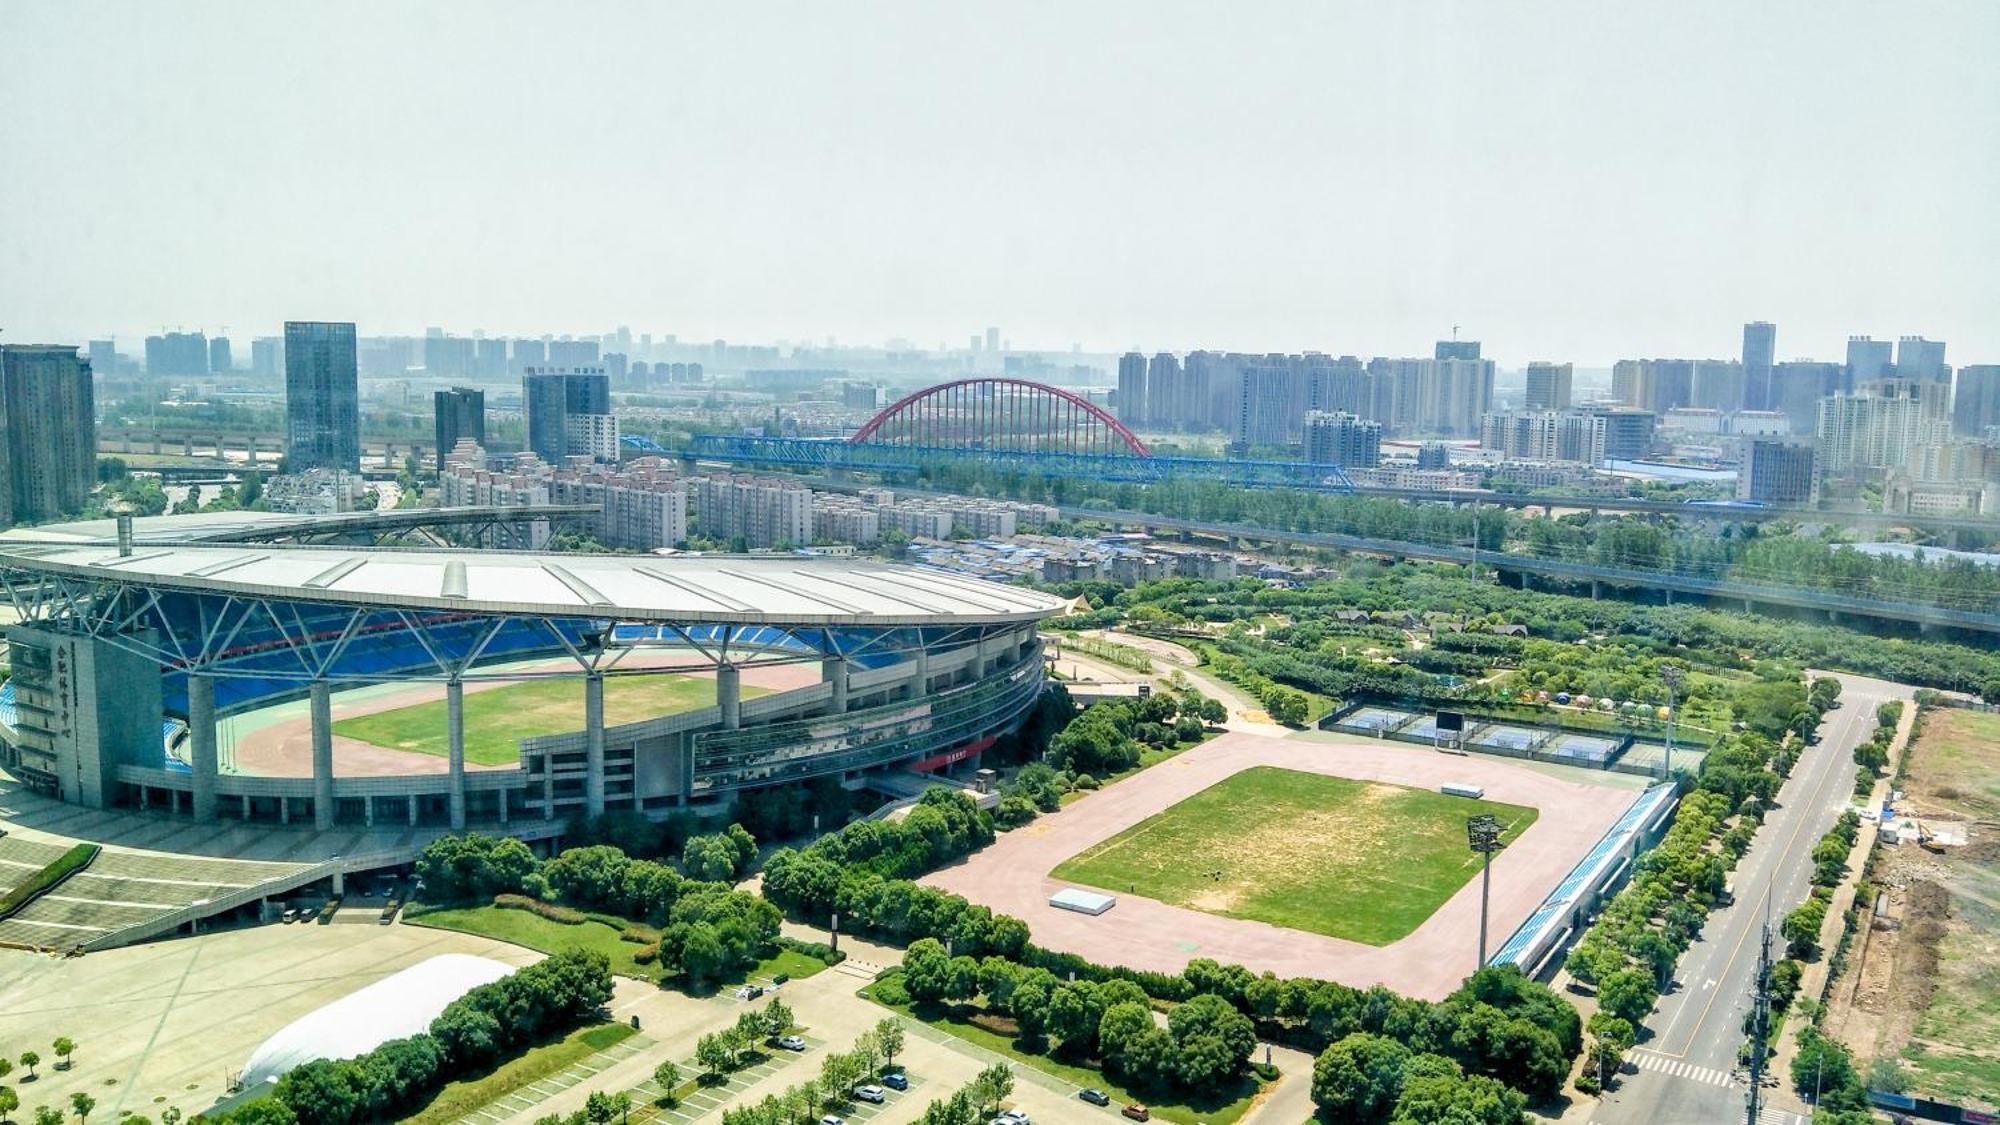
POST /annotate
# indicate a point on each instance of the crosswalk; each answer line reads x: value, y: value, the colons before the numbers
x: 1765, y: 1116
x: 1679, y: 1068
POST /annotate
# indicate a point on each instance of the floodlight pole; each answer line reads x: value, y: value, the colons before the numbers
x: 1482, y: 834
x: 1671, y: 676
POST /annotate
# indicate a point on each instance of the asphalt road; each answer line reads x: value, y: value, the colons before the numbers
x: 1687, y: 1062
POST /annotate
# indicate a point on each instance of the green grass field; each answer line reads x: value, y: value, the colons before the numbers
x: 460, y: 1098
x: 496, y: 720
x: 521, y: 927
x: 1350, y: 859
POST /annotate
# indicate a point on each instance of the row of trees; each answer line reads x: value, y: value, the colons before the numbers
x: 487, y: 1023
x: 1630, y: 952
x: 1370, y: 1079
x: 706, y: 928
x: 944, y: 825
x: 1206, y: 1041
x: 839, y: 1074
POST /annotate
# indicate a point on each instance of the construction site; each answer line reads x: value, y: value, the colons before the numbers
x: 1919, y: 985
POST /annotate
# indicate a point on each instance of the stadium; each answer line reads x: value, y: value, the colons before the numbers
x: 134, y: 647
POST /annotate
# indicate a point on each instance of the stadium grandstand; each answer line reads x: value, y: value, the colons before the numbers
x: 135, y: 644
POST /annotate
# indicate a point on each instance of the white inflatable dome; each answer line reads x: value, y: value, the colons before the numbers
x: 395, y: 1007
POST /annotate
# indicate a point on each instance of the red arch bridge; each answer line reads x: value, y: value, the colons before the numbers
x: 1000, y: 413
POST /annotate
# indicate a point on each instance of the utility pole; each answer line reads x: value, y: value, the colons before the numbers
x: 1760, y: 1022
x: 1482, y: 834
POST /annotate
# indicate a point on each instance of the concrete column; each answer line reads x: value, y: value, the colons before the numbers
x: 729, y: 695
x: 142, y: 798
x: 833, y: 672
x: 201, y: 731
x: 920, y: 674
x: 503, y: 805
x: 548, y: 787
x: 593, y: 744
x: 246, y: 808
x: 322, y: 747
x: 413, y: 810
x: 284, y: 810
x: 368, y: 811
x: 454, y: 738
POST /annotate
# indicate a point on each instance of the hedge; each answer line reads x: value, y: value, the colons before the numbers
x: 47, y: 879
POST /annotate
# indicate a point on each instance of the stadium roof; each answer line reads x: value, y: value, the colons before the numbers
x: 690, y: 589
x: 395, y: 1007
x: 250, y: 526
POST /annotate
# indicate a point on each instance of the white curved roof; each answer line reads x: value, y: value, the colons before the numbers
x: 396, y: 1007
x: 678, y: 589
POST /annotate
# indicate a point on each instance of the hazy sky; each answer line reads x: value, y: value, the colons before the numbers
x: 1571, y: 181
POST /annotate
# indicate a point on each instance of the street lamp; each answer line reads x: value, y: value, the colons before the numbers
x: 1482, y: 834
x: 1670, y: 675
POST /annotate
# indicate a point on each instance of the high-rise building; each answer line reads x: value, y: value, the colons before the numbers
x: 573, y: 353
x: 1777, y: 472
x: 1546, y: 435
x: 1264, y: 414
x: 48, y: 416
x: 563, y: 409
x: 1718, y: 385
x: 460, y: 415
x: 1975, y: 399
x: 1798, y: 385
x: 1549, y: 386
x: 267, y: 356
x: 1433, y: 455
x: 761, y: 511
x: 1658, y: 385
x: 447, y: 357
x: 1921, y: 359
x: 1457, y: 349
x: 104, y: 357
x: 1868, y: 359
x: 1628, y: 434
x: 1760, y: 352
x: 1879, y: 426
x: 177, y: 355
x: 219, y: 362
x: 1132, y: 389
x: 528, y: 353
x: 322, y: 397
x: 1164, y: 386
x: 992, y: 340
x: 489, y: 358
x: 1340, y: 438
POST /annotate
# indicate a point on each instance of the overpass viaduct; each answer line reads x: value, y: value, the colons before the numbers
x: 255, y: 448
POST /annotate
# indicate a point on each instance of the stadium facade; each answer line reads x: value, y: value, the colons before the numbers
x: 130, y: 649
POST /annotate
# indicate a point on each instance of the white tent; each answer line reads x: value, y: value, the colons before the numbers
x: 395, y: 1007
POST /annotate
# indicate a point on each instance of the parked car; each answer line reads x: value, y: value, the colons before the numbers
x: 749, y: 992
x: 1094, y: 1096
x: 791, y: 1043
x: 1015, y: 1117
x: 1137, y: 1112
x: 896, y: 1081
x: 871, y: 1093
x: 291, y: 914
x: 831, y: 1119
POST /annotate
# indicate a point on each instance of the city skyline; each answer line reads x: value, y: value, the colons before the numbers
x: 1567, y: 184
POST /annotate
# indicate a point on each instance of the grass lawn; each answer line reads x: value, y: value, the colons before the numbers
x: 1350, y: 859
x: 460, y: 1098
x: 496, y: 720
x: 539, y: 933
x: 1208, y: 1107
x: 536, y: 932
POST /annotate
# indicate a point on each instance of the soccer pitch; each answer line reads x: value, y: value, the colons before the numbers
x: 1358, y: 860
x: 497, y: 719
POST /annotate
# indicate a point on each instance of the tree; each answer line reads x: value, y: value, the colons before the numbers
x: 712, y: 1053
x: 1627, y: 994
x: 1286, y: 706
x: 667, y: 1076
x: 927, y: 971
x: 778, y: 1017
x: 1612, y: 1038
x: 81, y: 1104
x: 1359, y: 1078
x: 1823, y: 1070
x: 889, y: 1040
x: 993, y: 1085
x: 29, y: 1059
x: 1213, y: 712
x: 170, y: 1116
x: 622, y: 1102
x: 598, y: 1108
x: 48, y: 1115
x: 9, y: 1102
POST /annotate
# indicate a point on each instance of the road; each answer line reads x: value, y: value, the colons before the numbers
x: 1687, y: 1062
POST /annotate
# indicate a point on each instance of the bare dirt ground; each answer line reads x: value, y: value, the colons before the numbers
x: 284, y: 749
x: 1012, y: 876
x: 1921, y: 975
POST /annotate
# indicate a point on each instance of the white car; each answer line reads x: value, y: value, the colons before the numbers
x: 830, y: 1119
x: 871, y: 1093
x: 1015, y: 1117
x: 793, y: 1043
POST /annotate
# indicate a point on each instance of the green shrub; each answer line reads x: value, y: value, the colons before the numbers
x: 48, y: 878
x: 549, y: 910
